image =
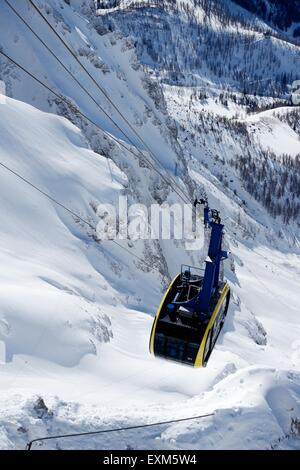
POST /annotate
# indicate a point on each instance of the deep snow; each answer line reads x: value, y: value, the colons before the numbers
x: 76, y: 314
x: 70, y: 338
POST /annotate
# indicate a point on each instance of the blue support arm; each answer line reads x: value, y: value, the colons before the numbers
x: 214, y: 259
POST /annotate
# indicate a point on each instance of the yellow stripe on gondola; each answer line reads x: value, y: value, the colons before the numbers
x: 200, y: 359
x: 158, y: 313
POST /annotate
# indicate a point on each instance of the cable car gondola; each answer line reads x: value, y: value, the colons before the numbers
x: 193, y: 310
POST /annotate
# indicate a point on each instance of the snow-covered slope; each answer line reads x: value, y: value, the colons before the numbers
x: 76, y: 313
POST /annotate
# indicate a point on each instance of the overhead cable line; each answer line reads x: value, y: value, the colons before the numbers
x: 62, y: 64
x: 166, y: 179
x: 67, y: 102
x: 74, y: 214
x: 102, y: 90
x: 106, y: 431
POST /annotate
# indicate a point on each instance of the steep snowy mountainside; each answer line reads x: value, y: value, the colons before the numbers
x: 48, y: 307
x: 111, y: 59
x: 254, y: 155
x: 77, y: 313
x: 190, y: 42
x: 74, y: 352
x: 280, y: 15
x: 219, y: 63
x: 274, y: 134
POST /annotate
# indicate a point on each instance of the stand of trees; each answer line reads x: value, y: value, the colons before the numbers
x: 173, y: 38
x: 281, y: 13
x: 274, y: 181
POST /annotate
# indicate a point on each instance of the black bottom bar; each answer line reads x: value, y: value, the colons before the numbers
x: 136, y: 459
